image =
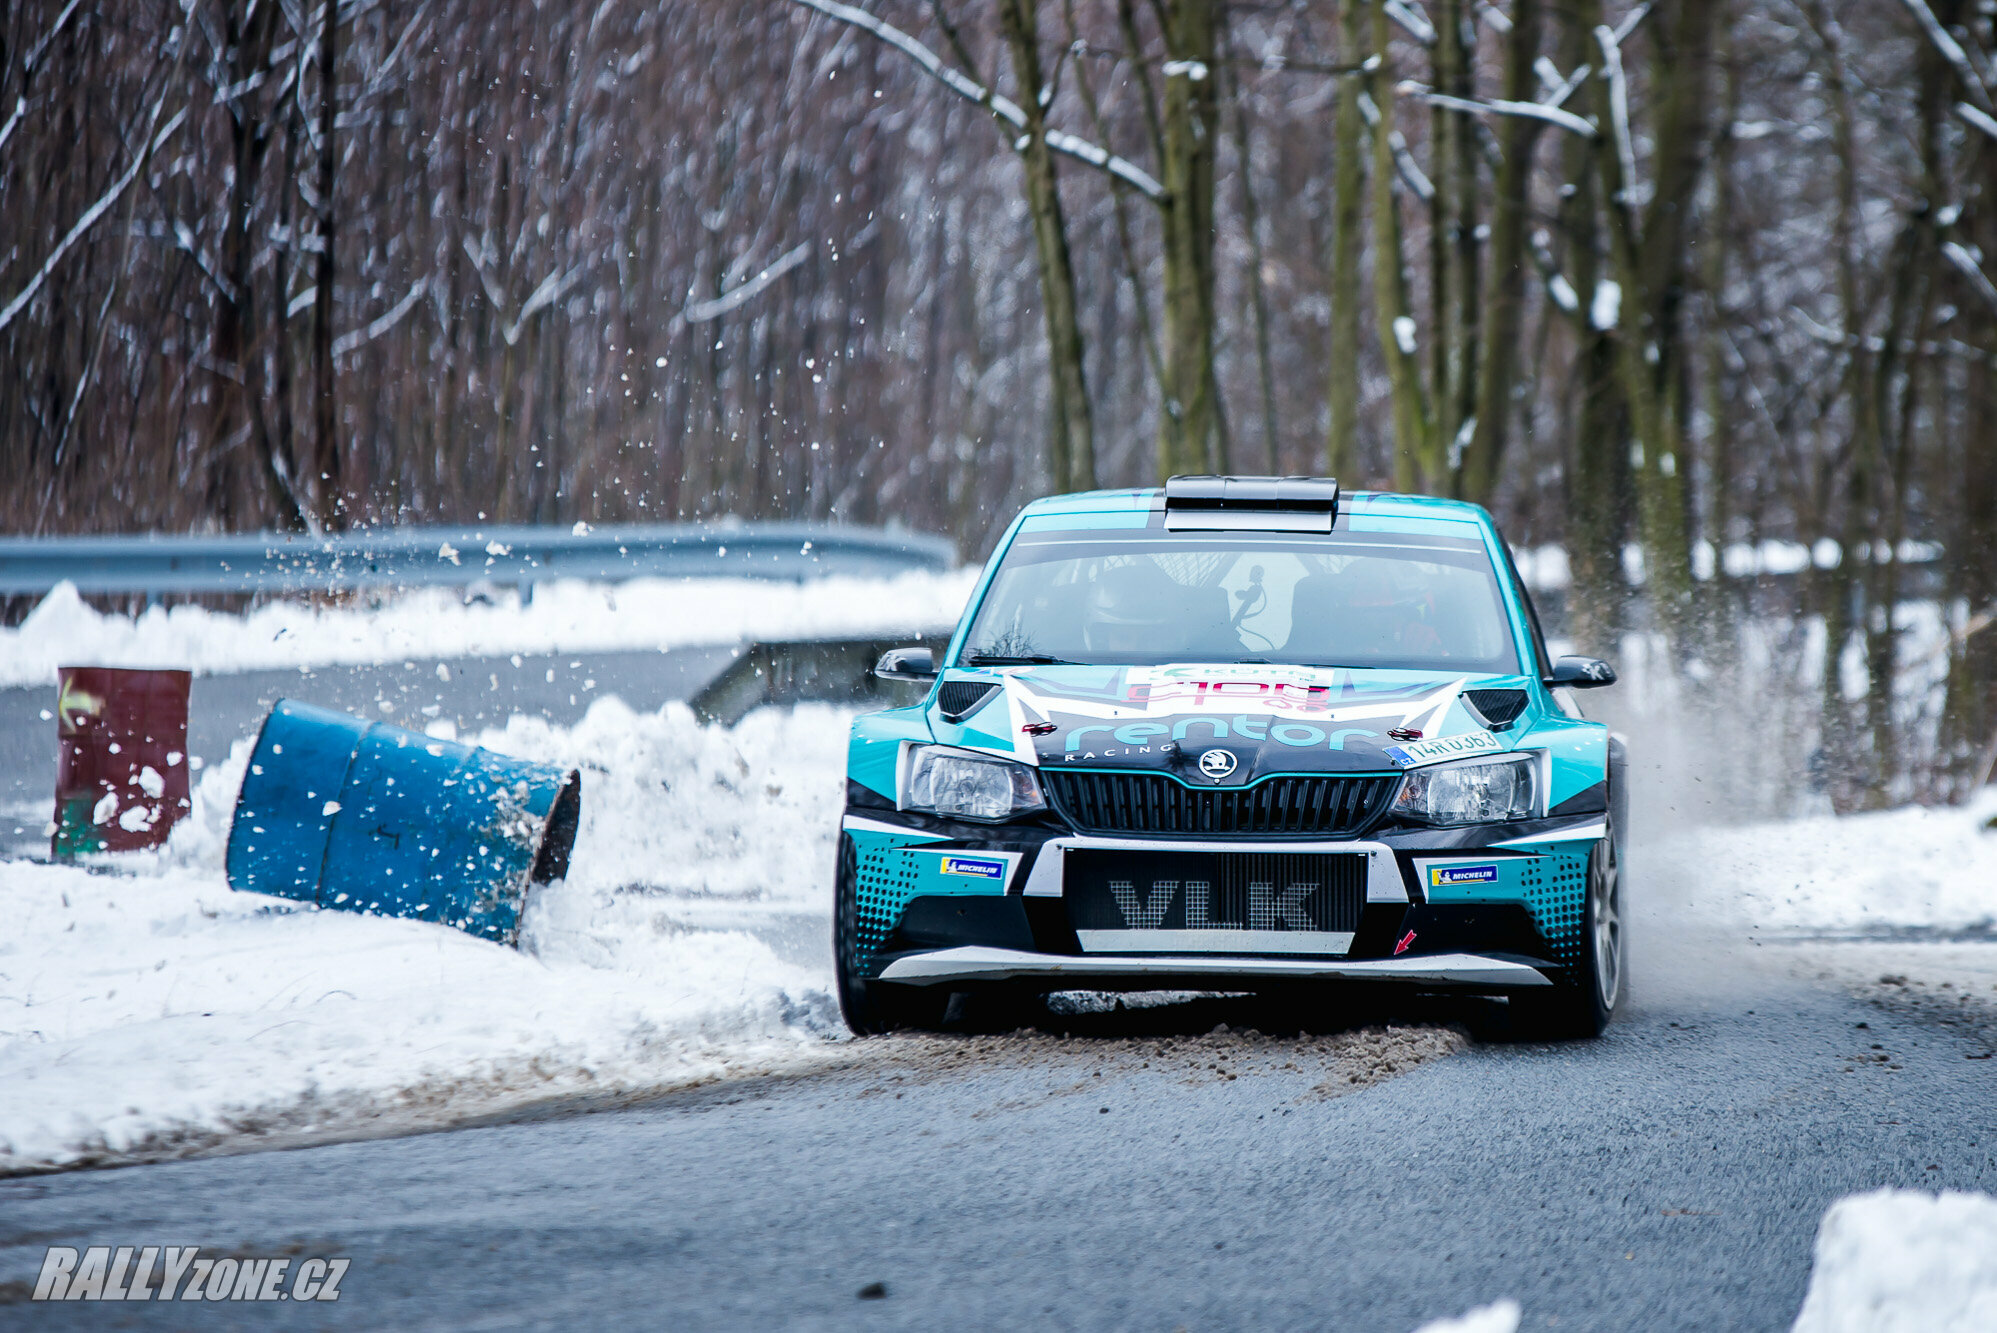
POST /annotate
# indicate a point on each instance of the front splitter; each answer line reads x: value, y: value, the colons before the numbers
x: 977, y: 963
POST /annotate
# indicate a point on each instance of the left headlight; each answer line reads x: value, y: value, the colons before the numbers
x: 963, y: 785
x: 1472, y: 791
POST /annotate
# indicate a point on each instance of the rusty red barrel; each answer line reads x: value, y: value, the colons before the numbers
x: 121, y: 758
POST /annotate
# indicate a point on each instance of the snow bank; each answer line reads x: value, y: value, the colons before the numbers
x: 1498, y: 1317
x: 1901, y: 1261
x: 1892, y: 1261
x: 1910, y: 870
x: 436, y: 622
x: 148, y: 1008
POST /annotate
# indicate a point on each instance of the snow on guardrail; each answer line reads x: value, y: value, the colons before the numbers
x: 439, y: 623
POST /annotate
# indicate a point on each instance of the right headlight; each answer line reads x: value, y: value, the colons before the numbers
x: 965, y: 785
x: 1484, y: 790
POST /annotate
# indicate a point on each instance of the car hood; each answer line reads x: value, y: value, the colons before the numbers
x: 1266, y: 719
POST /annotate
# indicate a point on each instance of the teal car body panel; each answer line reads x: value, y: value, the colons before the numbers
x: 1286, y: 723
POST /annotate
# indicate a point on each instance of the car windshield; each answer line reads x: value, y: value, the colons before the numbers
x: 1154, y: 597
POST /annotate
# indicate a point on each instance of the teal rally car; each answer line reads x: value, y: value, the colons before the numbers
x: 1234, y: 734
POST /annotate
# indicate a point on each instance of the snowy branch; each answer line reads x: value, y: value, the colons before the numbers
x: 1830, y: 337
x: 347, y: 342
x: 699, y: 312
x: 546, y: 294
x: 1965, y: 264
x: 95, y: 211
x: 7, y: 130
x: 1405, y: 165
x: 1411, y: 20
x: 1612, y: 69
x: 1970, y: 115
x: 1496, y: 19
x: 34, y: 57
x: 1559, y: 89
x: 1000, y: 106
x: 1951, y: 51
x: 1552, y: 115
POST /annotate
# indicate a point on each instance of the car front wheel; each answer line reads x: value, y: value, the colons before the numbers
x: 1581, y: 1003
x: 871, y: 1007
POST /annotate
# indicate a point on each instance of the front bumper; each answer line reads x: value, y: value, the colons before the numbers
x: 968, y: 964
x: 1492, y: 909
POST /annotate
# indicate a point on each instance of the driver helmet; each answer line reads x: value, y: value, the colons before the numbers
x: 1130, y: 609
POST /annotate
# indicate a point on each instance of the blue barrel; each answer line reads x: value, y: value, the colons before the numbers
x: 361, y: 816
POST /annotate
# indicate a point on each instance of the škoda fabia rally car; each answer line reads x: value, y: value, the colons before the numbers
x: 1234, y: 734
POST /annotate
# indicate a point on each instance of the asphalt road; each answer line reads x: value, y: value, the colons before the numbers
x: 1668, y: 1176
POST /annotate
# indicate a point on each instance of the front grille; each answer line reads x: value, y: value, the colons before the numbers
x: 1316, y: 807
x: 1174, y: 891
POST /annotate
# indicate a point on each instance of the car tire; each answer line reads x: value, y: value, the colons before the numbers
x: 871, y: 1007
x: 1581, y: 1003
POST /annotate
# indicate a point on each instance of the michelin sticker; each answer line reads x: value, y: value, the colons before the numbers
x: 1444, y: 747
x: 976, y: 867
x: 1443, y: 877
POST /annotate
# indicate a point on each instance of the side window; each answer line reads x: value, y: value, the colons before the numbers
x: 1545, y: 663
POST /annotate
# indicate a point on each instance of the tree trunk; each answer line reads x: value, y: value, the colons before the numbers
x: 1969, y: 711
x: 1258, y: 293
x: 328, y: 478
x: 1187, y: 423
x: 1071, y: 461
x: 1598, y: 474
x: 1651, y: 260
x: 1392, y: 309
x: 1504, y: 309
x: 1347, y: 237
x: 1454, y: 269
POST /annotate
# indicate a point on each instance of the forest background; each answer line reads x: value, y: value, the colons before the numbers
x: 1696, y: 295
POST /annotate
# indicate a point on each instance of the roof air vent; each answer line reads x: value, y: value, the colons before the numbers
x: 1257, y: 504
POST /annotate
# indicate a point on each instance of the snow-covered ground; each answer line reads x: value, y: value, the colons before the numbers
x: 1901, y: 1261
x: 145, y: 1007
x: 437, y: 622
x: 1897, y: 873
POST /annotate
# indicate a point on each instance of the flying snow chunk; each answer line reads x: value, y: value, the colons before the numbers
x: 1902, y: 1261
x: 1404, y: 334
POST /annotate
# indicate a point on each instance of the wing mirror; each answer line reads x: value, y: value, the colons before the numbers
x: 906, y: 664
x: 1581, y: 673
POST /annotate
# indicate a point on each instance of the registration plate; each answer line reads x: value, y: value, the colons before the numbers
x: 1214, y: 902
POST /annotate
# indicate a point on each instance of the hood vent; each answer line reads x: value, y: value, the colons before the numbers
x: 1498, y: 708
x: 957, y: 698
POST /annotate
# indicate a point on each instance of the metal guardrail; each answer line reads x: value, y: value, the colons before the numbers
x: 278, y: 563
